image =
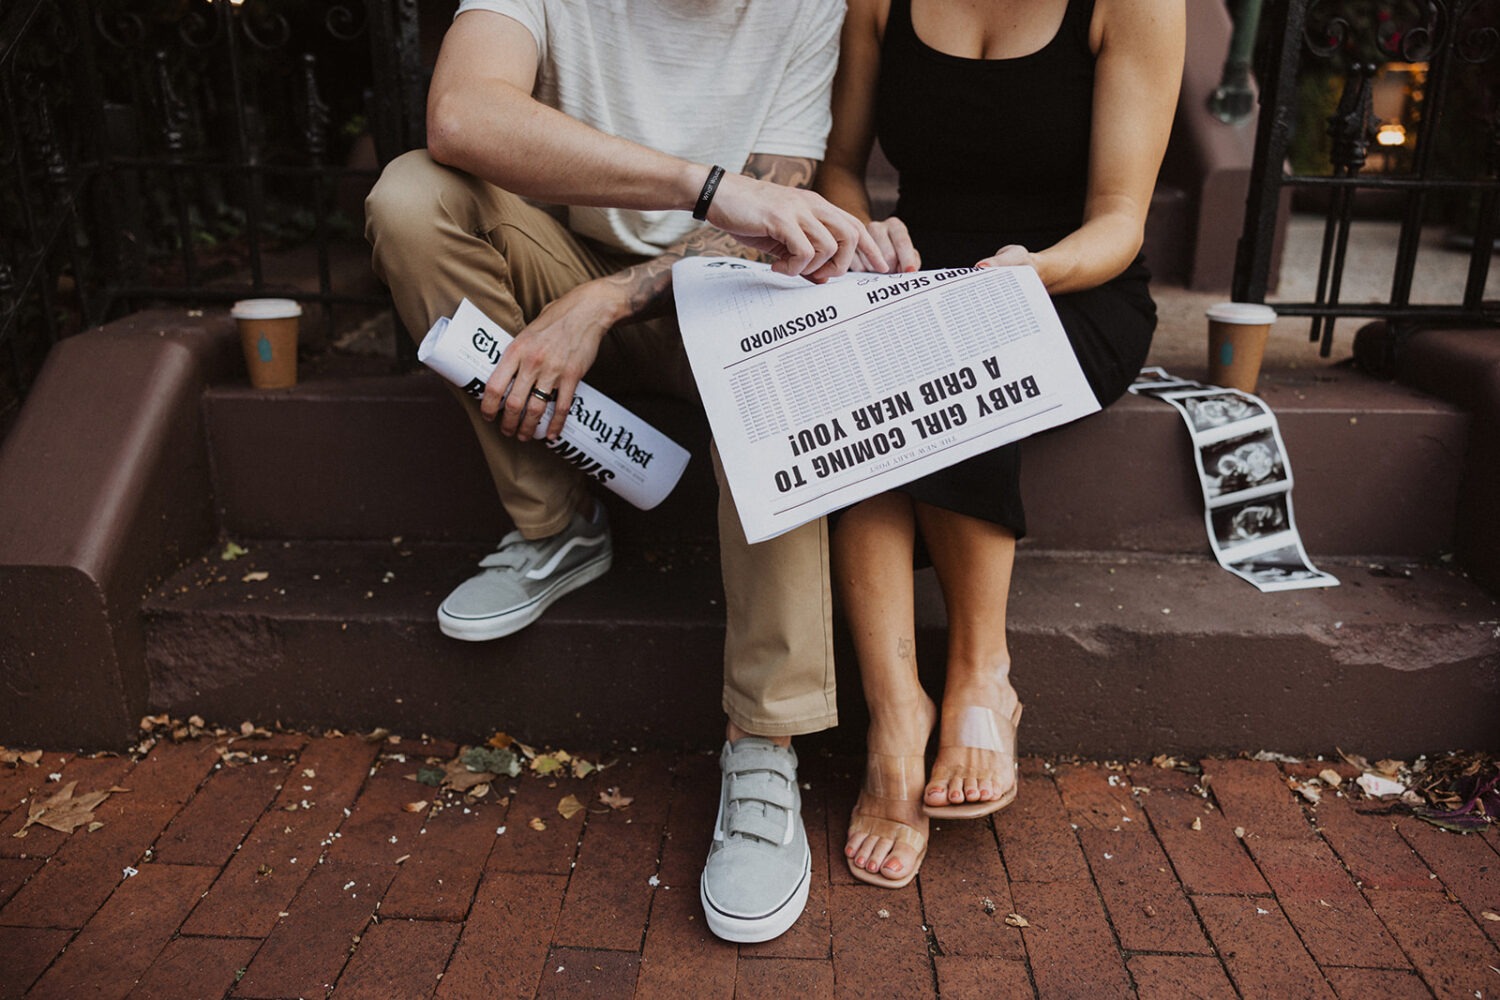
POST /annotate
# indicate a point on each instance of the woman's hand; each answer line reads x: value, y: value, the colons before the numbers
x: 894, y: 241
x: 1013, y: 255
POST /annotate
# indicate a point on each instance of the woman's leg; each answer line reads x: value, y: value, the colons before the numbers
x: 872, y: 566
x: 976, y: 747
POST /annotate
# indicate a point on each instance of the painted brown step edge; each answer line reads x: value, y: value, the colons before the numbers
x: 1462, y: 366
x: 104, y: 490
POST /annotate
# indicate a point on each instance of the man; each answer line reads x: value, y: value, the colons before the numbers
x: 620, y: 112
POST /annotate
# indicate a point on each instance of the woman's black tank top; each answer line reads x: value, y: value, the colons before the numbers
x: 996, y: 148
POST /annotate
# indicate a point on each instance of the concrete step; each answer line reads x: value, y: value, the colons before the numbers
x: 1117, y: 654
x: 1377, y: 468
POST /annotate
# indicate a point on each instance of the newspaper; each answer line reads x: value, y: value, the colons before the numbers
x: 1246, y: 479
x: 602, y: 439
x: 822, y: 395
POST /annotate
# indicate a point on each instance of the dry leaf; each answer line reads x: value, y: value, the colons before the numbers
x: 583, y: 768
x: 537, y: 823
x: 458, y: 777
x: 569, y: 806
x: 1016, y: 920
x: 62, y: 812
x: 415, y: 807
x: 1330, y: 777
x: 480, y: 791
x: 1490, y: 915
x: 546, y: 764
x: 1197, y: 822
x: 612, y: 798
x: 255, y: 577
x: 500, y: 741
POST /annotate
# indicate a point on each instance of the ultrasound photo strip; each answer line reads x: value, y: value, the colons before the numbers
x: 1246, y: 478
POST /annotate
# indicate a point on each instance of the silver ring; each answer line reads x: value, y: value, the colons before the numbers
x: 545, y: 397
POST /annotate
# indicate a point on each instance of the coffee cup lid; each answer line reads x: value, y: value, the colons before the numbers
x: 265, y: 309
x: 1241, y: 312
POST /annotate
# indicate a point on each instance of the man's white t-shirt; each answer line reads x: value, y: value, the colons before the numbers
x: 708, y: 80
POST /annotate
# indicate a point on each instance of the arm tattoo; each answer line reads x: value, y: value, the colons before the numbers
x: 649, y: 283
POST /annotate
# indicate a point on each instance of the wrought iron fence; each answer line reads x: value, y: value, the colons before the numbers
x: 1430, y: 154
x: 175, y: 150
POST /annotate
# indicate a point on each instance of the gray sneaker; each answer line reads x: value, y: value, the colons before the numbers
x: 755, y: 883
x: 521, y: 579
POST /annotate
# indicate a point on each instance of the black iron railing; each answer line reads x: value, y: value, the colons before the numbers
x: 158, y: 151
x: 1432, y: 154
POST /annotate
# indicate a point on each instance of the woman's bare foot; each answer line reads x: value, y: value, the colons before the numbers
x: 976, y: 759
x: 888, y: 830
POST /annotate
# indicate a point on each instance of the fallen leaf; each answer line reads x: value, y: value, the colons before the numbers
x: 1308, y: 792
x: 569, y: 806
x: 415, y: 807
x: 61, y: 811
x: 1330, y: 777
x: 612, y: 798
x: 583, y: 768
x: 537, y: 823
x: 233, y: 551
x: 459, y: 778
x: 1016, y: 920
x: 376, y: 735
x: 1356, y: 760
x: 500, y: 741
x: 1490, y: 915
x: 256, y: 577
x: 1197, y: 822
x: 546, y: 764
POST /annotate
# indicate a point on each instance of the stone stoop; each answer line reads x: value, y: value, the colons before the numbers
x: 363, y: 502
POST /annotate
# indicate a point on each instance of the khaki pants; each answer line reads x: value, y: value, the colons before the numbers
x: 439, y: 235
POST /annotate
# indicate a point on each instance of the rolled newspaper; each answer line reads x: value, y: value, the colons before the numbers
x: 602, y: 439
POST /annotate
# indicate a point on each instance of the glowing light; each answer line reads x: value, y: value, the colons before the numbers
x: 1391, y: 135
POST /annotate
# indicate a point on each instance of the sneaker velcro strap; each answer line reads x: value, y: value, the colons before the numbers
x: 748, y: 759
x: 756, y: 823
x: 759, y: 786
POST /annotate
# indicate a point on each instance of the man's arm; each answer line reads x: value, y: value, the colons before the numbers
x: 560, y: 345
x: 647, y: 284
x: 483, y: 120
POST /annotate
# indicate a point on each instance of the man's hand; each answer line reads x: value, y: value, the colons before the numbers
x: 549, y: 356
x: 806, y: 234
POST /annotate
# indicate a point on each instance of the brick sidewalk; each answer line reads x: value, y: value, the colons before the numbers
x: 306, y: 870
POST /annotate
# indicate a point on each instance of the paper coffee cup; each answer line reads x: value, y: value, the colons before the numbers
x: 1237, y: 333
x: 268, y: 334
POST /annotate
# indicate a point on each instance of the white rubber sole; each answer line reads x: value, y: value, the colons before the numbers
x: 750, y: 930
x: 512, y: 621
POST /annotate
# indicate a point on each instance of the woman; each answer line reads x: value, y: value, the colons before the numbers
x: 1026, y: 132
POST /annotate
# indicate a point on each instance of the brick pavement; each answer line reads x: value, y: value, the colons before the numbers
x: 308, y: 869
